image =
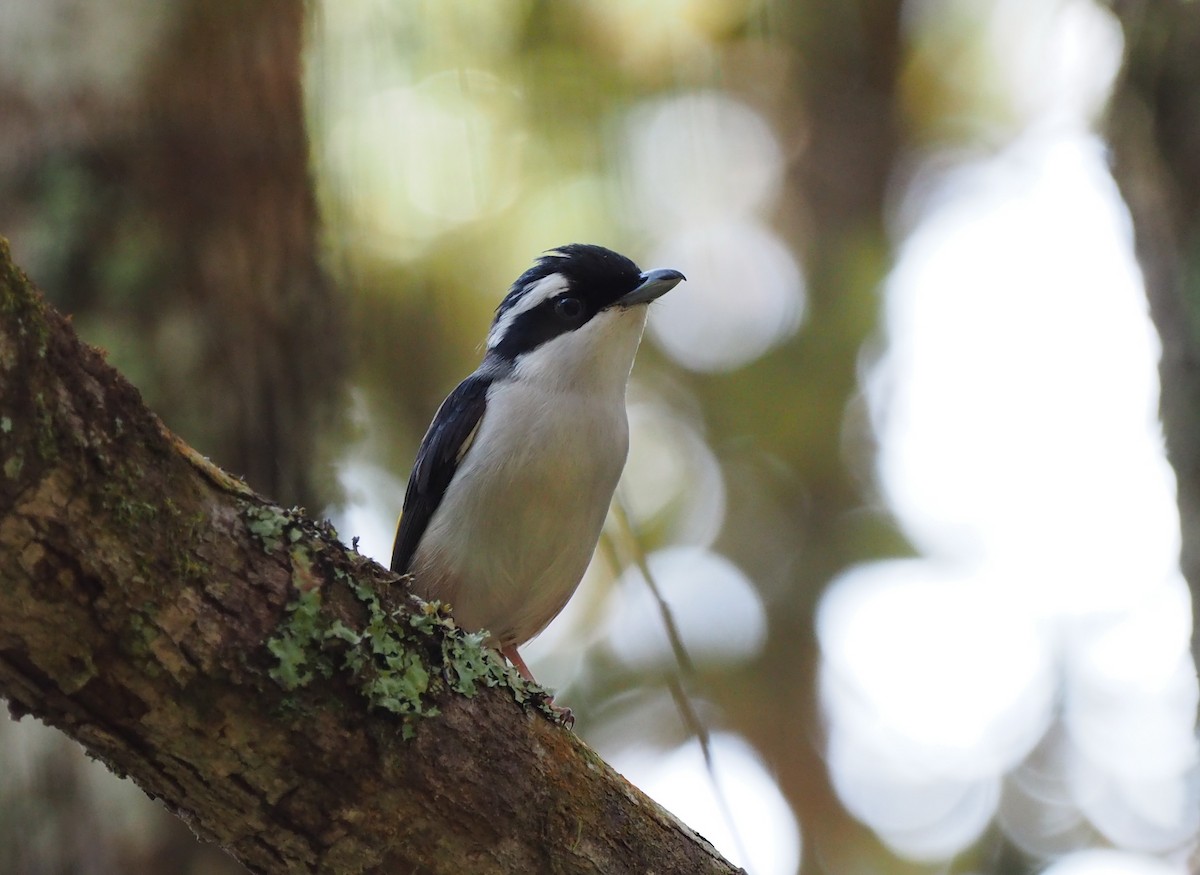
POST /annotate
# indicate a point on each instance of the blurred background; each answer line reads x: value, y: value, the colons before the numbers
x: 897, y: 458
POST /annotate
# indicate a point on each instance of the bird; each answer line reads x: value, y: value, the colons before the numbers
x: 514, y: 477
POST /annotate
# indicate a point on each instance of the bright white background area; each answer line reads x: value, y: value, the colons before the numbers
x: 1030, y: 667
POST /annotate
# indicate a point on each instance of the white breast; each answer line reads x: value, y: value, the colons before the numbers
x: 519, y: 523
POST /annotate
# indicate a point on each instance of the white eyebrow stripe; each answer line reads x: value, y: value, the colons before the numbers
x: 544, y: 289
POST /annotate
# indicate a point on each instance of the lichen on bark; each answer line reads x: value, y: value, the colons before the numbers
x: 399, y: 658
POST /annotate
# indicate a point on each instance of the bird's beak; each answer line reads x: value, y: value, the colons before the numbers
x: 654, y: 284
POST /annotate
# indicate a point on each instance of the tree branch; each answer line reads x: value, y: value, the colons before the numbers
x: 277, y: 691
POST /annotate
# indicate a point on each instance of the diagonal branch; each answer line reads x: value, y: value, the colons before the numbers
x: 274, y: 689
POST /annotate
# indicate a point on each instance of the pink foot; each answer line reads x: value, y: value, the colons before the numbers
x: 565, y: 715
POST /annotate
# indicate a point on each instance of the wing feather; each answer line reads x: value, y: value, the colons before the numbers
x: 447, y: 441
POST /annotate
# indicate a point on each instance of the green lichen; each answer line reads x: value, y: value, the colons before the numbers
x: 117, y: 496
x: 138, y: 640
x: 123, y: 501
x: 294, y: 647
x: 384, y: 667
x: 399, y: 661
x: 23, y: 309
x: 126, y: 510
x: 46, y: 435
x: 268, y: 524
x: 186, y: 563
x: 469, y: 663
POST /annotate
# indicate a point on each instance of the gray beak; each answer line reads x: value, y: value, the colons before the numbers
x: 655, y: 284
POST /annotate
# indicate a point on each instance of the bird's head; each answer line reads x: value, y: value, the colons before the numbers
x: 579, y: 308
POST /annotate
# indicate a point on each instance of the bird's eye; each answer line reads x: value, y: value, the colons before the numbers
x: 568, y: 308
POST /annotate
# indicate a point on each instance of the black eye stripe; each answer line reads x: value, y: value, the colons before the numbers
x: 543, y: 323
x: 590, y: 272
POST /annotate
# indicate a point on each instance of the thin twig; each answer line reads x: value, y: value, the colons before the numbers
x: 687, y: 712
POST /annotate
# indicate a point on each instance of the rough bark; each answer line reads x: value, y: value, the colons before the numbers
x: 1154, y: 128
x: 273, y: 688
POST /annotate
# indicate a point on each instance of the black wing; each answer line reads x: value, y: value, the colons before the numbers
x: 447, y: 441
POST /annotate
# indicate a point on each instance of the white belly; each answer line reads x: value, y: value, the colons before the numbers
x: 508, y: 555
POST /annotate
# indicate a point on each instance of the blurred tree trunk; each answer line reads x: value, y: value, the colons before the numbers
x: 849, y: 130
x: 171, y: 212
x: 154, y: 177
x: 1155, y: 132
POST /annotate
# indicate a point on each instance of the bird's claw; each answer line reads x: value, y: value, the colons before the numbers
x: 562, y: 716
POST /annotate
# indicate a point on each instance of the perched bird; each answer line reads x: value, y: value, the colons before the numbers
x: 514, y: 477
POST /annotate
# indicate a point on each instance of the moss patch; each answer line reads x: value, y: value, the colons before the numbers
x: 399, y: 660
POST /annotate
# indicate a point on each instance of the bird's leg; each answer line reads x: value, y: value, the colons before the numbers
x: 512, y: 656
x: 565, y: 714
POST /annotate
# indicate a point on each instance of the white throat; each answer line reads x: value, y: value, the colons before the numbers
x: 594, y: 359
